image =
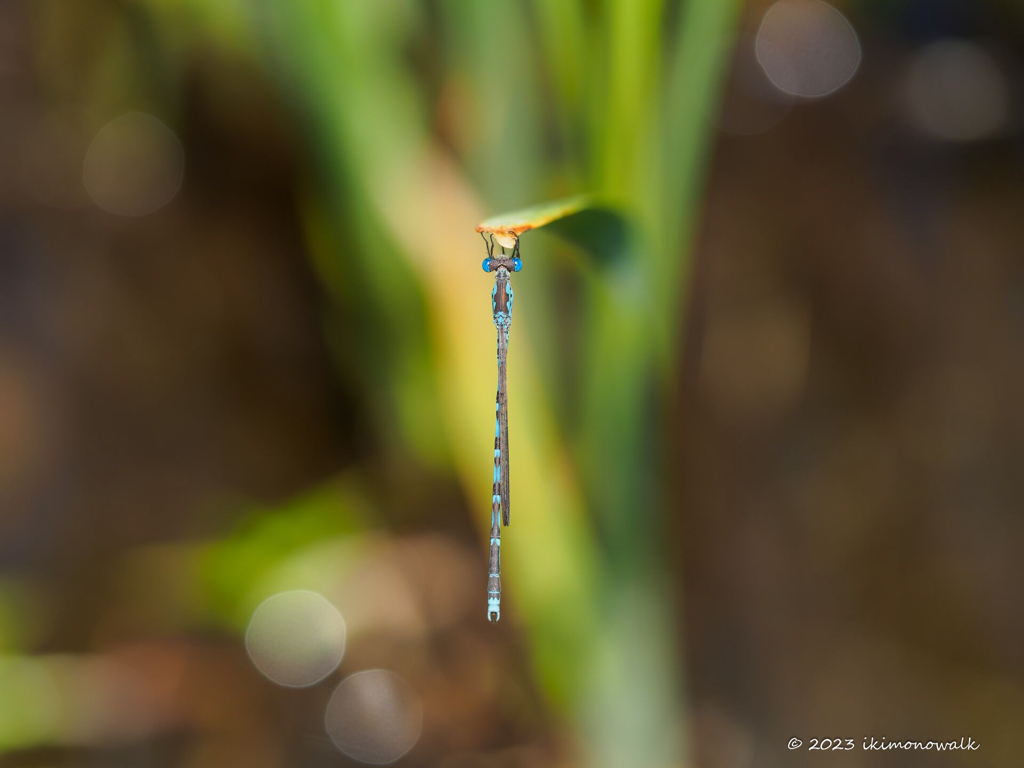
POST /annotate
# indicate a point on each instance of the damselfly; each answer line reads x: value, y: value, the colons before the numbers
x: 501, y: 307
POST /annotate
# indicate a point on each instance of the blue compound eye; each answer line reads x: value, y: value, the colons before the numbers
x: 517, y: 264
x: 487, y: 264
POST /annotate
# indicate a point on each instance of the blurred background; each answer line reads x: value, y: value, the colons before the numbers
x: 766, y: 426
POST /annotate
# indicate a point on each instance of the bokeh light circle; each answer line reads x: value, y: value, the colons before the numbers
x: 296, y: 638
x: 807, y: 48
x: 374, y: 717
x: 957, y: 92
x: 134, y: 165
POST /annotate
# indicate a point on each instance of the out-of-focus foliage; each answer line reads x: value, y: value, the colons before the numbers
x: 596, y: 612
x: 235, y: 569
x: 275, y: 375
x: 414, y: 121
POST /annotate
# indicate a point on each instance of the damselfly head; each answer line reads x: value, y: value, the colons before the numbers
x: 510, y: 262
x: 501, y: 266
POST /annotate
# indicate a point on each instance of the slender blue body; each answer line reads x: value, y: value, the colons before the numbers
x: 501, y: 308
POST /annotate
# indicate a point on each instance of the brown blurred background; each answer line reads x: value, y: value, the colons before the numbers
x: 225, y: 375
